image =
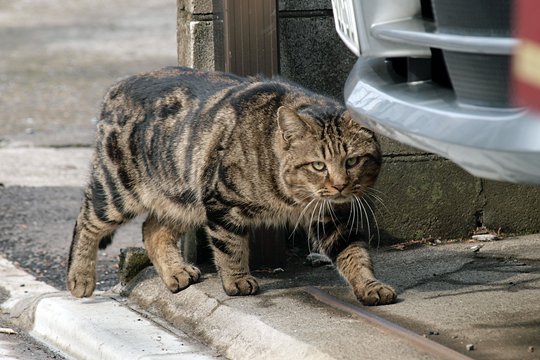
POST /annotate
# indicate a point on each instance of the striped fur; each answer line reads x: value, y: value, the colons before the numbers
x: 193, y: 148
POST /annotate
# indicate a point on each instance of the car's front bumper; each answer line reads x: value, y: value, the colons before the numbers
x: 494, y: 143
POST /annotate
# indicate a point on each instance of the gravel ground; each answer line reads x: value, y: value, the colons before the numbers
x: 36, y: 228
x: 59, y: 57
x: 20, y: 346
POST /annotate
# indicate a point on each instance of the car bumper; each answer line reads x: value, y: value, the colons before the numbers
x: 493, y: 143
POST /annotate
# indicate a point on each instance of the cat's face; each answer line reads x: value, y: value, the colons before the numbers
x: 327, y: 156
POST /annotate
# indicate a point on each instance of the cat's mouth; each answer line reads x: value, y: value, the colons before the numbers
x: 338, y: 198
x: 342, y: 199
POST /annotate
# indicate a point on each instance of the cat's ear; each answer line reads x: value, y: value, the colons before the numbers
x: 347, y: 118
x: 291, y: 125
x: 361, y: 120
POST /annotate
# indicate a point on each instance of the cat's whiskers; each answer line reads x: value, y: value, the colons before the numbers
x: 319, y: 218
x: 361, y: 212
x: 382, y: 210
x: 376, y: 198
x: 300, y: 217
x: 331, y: 212
x: 367, y: 188
x: 352, y: 216
x: 368, y: 224
x: 372, y: 191
x: 375, y: 220
x: 333, y: 216
x: 311, y: 222
x: 371, y: 194
x: 359, y: 218
x: 309, y: 194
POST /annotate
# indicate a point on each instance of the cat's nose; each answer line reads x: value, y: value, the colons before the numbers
x: 339, y: 187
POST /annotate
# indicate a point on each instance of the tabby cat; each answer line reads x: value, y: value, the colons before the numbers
x: 193, y: 148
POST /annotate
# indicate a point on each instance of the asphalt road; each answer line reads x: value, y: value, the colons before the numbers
x: 28, y: 239
x: 58, y: 59
x: 20, y: 346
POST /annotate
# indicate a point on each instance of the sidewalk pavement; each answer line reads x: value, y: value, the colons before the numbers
x: 52, y: 87
x: 481, y: 302
x: 449, y: 293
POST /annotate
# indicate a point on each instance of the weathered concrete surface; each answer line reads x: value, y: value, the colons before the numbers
x: 19, y: 345
x: 314, y: 56
x: 488, y: 298
x: 485, y: 298
x: 131, y: 262
x: 426, y: 197
x: 514, y: 208
x: 281, y: 323
x: 447, y: 292
x: 195, y: 34
x: 58, y: 59
x: 392, y: 148
x: 71, y: 327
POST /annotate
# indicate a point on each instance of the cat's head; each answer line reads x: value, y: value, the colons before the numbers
x: 325, y: 154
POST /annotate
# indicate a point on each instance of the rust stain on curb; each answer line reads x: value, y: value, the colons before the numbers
x: 419, y: 342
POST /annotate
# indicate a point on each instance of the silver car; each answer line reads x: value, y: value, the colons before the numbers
x: 436, y: 75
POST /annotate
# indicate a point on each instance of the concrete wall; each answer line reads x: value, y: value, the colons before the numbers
x: 195, y: 34
x: 424, y: 195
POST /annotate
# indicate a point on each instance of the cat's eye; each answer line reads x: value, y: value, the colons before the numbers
x: 350, y: 162
x: 318, y: 165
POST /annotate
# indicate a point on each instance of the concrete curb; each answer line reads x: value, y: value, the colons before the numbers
x: 278, y: 323
x: 235, y: 333
x: 100, y: 328
x: 96, y: 328
x: 284, y: 322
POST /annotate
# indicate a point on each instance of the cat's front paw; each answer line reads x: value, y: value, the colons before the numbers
x: 81, y: 283
x: 240, y: 286
x: 181, y: 277
x: 373, y: 292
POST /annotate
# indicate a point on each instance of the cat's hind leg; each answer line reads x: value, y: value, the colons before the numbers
x: 106, y: 206
x: 88, y: 232
x: 161, y: 244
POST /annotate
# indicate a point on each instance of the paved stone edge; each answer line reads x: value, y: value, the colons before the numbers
x: 233, y: 333
x: 95, y: 328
